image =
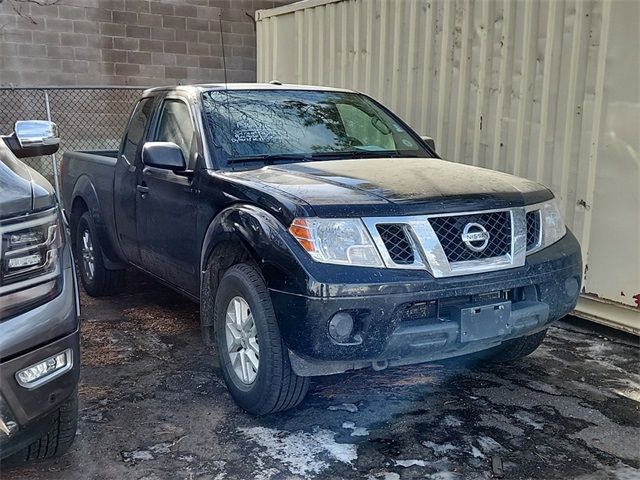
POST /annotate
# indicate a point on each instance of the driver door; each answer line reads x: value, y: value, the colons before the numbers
x: 167, y: 203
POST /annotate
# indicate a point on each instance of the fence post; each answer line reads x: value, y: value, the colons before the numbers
x: 53, y: 156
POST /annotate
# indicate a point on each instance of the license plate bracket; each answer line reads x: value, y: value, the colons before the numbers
x: 479, y: 322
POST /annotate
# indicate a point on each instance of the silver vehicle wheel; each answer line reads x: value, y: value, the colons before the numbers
x: 88, y: 259
x: 242, y: 340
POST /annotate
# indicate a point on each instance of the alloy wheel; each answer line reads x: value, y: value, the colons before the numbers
x: 242, y: 340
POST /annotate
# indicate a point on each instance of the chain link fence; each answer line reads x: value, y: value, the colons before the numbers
x: 87, y: 118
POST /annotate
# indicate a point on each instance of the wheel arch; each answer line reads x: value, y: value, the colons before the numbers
x: 244, y: 234
x: 84, y: 198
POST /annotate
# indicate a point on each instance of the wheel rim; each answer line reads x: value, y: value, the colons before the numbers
x: 88, y: 259
x: 242, y: 340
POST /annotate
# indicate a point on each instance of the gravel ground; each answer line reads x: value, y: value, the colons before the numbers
x: 153, y: 407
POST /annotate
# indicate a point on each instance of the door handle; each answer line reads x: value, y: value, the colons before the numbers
x: 142, y: 190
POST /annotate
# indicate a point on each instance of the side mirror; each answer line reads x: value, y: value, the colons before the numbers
x: 165, y: 155
x: 430, y: 142
x: 34, y: 138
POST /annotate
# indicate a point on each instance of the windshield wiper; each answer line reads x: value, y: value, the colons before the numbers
x: 361, y: 154
x: 270, y: 158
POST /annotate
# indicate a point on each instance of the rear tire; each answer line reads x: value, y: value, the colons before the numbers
x: 97, y: 280
x: 58, y: 437
x: 515, y: 349
x: 253, y: 357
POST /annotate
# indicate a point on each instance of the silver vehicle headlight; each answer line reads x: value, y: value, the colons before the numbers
x: 29, y: 261
x: 552, y: 224
x: 333, y: 240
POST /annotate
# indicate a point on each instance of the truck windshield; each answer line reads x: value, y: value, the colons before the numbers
x: 267, y: 126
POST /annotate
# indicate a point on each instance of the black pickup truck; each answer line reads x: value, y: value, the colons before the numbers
x: 319, y: 234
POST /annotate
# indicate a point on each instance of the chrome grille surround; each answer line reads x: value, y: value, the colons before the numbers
x: 429, y: 254
x: 535, y: 209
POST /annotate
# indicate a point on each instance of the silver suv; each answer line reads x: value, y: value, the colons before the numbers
x: 39, y: 336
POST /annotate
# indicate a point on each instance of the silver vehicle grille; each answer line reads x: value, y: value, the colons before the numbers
x: 449, y: 231
x: 397, y: 242
x: 435, y: 242
x: 533, y: 229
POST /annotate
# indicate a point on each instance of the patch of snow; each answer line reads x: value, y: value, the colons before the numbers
x: 137, y: 455
x: 451, y: 421
x: 360, y: 432
x: 527, y: 420
x: 628, y: 393
x: 265, y: 474
x: 355, y: 431
x: 347, y: 407
x: 476, y: 453
x: 384, y: 476
x: 161, y: 448
x: 303, y: 453
x: 446, y: 475
x: 410, y: 463
x: 439, y: 449
x: 488, y: 444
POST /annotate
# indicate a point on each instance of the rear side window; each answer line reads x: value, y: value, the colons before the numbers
x: 175, y: 126
x: 135, y: 132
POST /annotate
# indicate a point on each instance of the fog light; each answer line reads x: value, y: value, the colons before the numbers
x: 341, y: 326
x: 46, y: 370
x: 571, y: 287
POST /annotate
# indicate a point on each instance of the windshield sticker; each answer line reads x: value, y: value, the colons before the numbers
x: 246, y: 132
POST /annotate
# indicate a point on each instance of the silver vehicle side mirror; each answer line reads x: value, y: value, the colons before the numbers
x: 34, y: 138
x: 36, y: 133
x: 430, y: 142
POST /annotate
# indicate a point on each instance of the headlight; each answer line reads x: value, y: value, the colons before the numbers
x: 339, y: 241
x: 29, y: 261
x: 551, y: 225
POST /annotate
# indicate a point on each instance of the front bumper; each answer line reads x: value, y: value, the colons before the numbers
x: 25, y: 340
x: 27, y: 412
x: 542, y: 291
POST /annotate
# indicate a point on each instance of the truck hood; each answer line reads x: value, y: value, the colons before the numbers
x: 398, y: 186
x: 22, y: 189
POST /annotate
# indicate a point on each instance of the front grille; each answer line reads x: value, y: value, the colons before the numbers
x: 397, y: 241
x: 449, y: 232
x: 533, y: 229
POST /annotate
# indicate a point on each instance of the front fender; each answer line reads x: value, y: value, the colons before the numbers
x: 85, y: 190
x: 266, y: 239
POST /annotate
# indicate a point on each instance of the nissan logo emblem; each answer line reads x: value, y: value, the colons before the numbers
x: 475, y: 237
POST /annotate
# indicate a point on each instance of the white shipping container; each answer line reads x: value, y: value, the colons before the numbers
x: 548, y: 90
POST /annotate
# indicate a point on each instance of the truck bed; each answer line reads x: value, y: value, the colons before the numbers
x: 98, y: 166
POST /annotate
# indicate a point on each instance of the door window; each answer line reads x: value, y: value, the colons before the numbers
x: 135, y: 132
x: 175, y: 126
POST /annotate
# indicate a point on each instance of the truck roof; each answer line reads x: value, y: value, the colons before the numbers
x: 242, y: 86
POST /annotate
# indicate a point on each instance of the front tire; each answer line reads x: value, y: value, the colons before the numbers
x: 253, y: 358
x: 97, y: 280
x: 57, y: 439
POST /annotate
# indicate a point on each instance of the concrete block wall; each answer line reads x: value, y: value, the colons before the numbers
x: 127, y: 42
